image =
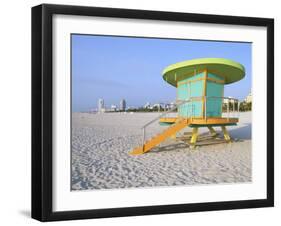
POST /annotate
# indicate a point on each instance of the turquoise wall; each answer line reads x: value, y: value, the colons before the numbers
x: 214, y: 105
x: 210, y: 75
x: 196, y: 89
x: 187, y: 90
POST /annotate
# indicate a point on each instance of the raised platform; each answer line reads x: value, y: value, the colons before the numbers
x: 176, y: 124
x: 210, y: 121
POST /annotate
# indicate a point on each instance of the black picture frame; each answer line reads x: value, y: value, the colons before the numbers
x: 42, y: 111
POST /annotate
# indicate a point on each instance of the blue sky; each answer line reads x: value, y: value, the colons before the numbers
x: 113, y: 68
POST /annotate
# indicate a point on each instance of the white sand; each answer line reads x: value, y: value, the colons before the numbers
x: 100, y: 159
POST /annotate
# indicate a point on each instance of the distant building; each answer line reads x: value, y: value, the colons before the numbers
x: 227, y: 100
x: 169, y: 106
x: 248, y: 99
x: 113, y: 107
x: 122, y: 105
x: 166, y: 106
x: 147, y: 105
x: 157, y: 106
x: 172, y: 105
x: 101, y: 107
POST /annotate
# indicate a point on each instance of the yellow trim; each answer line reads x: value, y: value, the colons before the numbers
x: 200, y: 79
x: 204, y: 93
x: 213, y: 121
x: 202, y: 121
x: 215, y: 80
x: 191, y: 81
x: 217, y: 74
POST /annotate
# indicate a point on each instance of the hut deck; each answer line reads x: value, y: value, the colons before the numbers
x: 202, y: 121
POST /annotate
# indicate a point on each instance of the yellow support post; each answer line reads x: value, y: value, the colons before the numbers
x: 225, y: 134
x: 194, y: 137
x: 212, y: 131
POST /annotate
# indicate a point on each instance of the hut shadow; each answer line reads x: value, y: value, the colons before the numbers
x: 238, y: 134
x: 243, y: 133
x: 170, y: 147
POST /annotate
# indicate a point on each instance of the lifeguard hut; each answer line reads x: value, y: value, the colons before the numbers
x: 200, y: 100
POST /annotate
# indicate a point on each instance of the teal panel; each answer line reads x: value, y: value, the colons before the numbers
x: 187, y: 90
x: 210, y: 75
x: 183, y: 92
x: 165, y: 123
x: 214, y: 105
x: 197, y: 76
x: 182, y: 95
x: 193, y: 109
x: 196, y: 88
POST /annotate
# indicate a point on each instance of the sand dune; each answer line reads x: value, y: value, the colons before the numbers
x: 100, y: 159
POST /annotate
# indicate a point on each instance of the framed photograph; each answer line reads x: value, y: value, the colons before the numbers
x: 139, y: 112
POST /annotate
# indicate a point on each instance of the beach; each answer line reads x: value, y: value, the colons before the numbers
x: 101, y: 144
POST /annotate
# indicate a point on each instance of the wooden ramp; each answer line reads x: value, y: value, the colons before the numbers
x: 159, y: 138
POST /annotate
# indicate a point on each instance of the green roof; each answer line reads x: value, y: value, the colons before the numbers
x: 229, y: 70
